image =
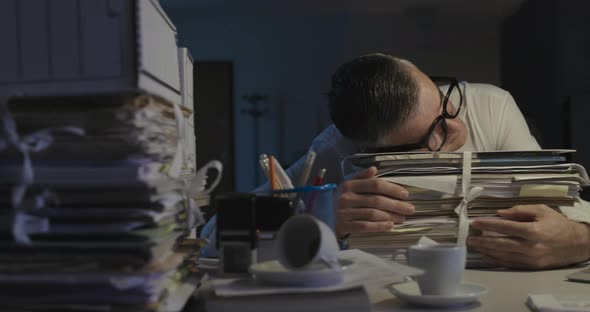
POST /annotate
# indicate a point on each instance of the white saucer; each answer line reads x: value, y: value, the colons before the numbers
x: 317, y: 275
x: 410, y: 292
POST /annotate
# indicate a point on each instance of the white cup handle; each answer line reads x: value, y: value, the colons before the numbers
x: 214, y: 164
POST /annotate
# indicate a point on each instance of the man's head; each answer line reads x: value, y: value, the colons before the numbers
x: 379, y: 100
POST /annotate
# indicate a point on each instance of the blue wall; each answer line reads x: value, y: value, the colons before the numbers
x: 291, y: 54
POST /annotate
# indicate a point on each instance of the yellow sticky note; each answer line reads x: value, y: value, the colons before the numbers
x: 543, y: 190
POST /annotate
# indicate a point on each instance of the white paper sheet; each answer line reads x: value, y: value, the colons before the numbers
x: 366, y: 268
x: 440, y: 183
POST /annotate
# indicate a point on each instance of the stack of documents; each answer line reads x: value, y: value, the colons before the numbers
x: 436, y: 187
x: 92, y: 209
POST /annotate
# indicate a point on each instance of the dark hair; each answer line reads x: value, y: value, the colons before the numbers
x: 371, y: 96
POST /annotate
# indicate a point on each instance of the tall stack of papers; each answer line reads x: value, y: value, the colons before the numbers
x: 91, y: 207
x: 436, y: 187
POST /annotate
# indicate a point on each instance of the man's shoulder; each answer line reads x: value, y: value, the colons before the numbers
x: 331, y: 138
x: 484, y: 97
x: 328, y: 134
x: 485, y: 90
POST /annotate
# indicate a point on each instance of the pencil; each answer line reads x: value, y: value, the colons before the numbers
x: 264, y: 165
x: 307, y: 168
x: 311, y: 201
x: 319, y: 179
x: 283, y: 180
x: 273, y: 179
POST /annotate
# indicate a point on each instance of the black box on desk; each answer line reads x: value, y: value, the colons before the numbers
x: 236, y: 232
x: 271, y: 213
x: 246, y: 222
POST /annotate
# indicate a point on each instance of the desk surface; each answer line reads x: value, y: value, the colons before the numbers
x: 507, y: 290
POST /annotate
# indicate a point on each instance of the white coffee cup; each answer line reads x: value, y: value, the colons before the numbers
x: 443, y: 266
x: 303, y: 241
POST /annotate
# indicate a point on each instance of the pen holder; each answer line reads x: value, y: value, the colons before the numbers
x: 314, y: 200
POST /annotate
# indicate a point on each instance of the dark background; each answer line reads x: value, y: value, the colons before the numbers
x: 287, y: 50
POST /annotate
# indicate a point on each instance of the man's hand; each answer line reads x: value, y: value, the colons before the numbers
x: 539, y: 238
x: 369, y: 204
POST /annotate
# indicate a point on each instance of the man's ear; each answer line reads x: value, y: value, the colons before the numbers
x: 453, y: 126
x: 456, y: 134
x: 437, y: 136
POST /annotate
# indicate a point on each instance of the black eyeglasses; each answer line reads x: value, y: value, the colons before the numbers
x: 440, y: 119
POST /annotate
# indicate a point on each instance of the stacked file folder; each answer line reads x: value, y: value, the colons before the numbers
x: 435, y: 183
x: 91, y: 205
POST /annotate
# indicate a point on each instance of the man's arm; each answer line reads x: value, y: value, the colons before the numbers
x: 369, y: 204
x: 538, y: 237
